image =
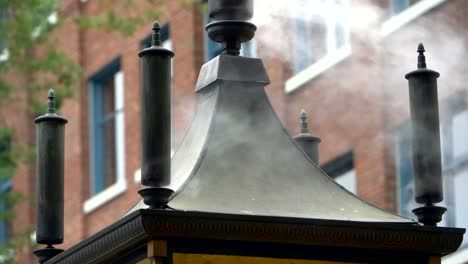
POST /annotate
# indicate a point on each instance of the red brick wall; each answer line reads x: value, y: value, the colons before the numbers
x: 353, y: 106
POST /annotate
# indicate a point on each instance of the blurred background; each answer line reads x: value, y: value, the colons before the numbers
x: 343, y: 61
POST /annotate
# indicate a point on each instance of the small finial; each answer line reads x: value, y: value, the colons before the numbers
x: 421, y: 57
x: 51, y: 103
x: 156, y: 40
x: 303, y: 118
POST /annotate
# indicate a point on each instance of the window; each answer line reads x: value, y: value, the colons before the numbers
x: 399, y: 5
x: 405, y: 172
x: 5, y: 207
x: 454, y: 150
x: 342, y: 171
x: 213, y: 49
x: 404, y: 11
x: 107, y: 135
x: 320, y: 39
x: 165, y: 38
x: 4, y: 53
x: 6, y: 171
x: 319, y: 28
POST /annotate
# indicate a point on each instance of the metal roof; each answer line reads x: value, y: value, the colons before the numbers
x: 237, y: 158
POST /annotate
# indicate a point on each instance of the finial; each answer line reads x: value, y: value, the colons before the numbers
x: 51, y: 103
x: 421, y: 57
x: 230, y: 30
x: 303, y: 118
x: 308, y: 143
x: 156, y: 40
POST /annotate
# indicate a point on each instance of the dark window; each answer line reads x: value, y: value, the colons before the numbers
x: 164, y: 33
x: 107, y: 126
x: 6, y: 165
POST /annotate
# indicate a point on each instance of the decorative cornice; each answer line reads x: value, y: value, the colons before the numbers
x: 122, y: 236
x: 136, y: 228
x: 384, y: 236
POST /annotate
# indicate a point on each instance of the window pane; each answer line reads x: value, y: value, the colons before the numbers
x: 348, y: 180
x: 459, y: 136
x: 212, y: 49
x: 109, y: 153
x: 461, y: 196
x: 399, y: 5
x: 248, y: 49
x: 5, y: 225
x: 107, y: 157
x: 108, y: 90
x: 339, y: 15
x: 405, y: 174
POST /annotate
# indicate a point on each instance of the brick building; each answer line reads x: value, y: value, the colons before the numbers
x: 342, y: 61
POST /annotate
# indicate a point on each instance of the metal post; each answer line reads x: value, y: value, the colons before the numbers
x: 426, y: 141
x: 156, y: 122
x: 49, y: 189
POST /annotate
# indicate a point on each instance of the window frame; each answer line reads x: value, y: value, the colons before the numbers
x: 413, y: 11
x: 333, y: 54
x: 100, y: 196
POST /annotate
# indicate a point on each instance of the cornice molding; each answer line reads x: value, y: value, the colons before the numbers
x: 136, y: 228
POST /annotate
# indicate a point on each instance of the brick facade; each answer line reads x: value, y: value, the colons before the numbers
x: 354, y: 106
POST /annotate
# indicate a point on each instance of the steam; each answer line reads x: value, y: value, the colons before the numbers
x: 372, y: 78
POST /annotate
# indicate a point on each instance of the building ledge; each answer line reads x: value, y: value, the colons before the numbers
x: 134, y: 230
x: 408, y: 15
x: 317, y: 68
x: 105, y: 196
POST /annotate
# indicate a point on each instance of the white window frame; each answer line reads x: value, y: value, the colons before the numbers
x: 404, y: 17
x: 333, y: 55
x: 120, y: 185
x: 350, y: 173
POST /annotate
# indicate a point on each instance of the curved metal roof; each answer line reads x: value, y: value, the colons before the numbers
x: 237, y: 158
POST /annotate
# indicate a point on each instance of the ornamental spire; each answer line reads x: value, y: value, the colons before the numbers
x: 51, y: 102
x: 421, y: 57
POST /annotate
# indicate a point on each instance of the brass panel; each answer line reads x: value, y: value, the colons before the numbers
x: 145, y: 261
x: 157, y: 248
x: 183, y: 258
x: 434, y: 260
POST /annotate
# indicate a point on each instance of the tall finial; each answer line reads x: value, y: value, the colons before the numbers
x: 303, y: 118
x: 156, y: 122
x: 308, y: 143
x: 156, y: 40
x: 425, y: 137
x: 421, y: 57
x: 50, y: 134
x: 51, y: 103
